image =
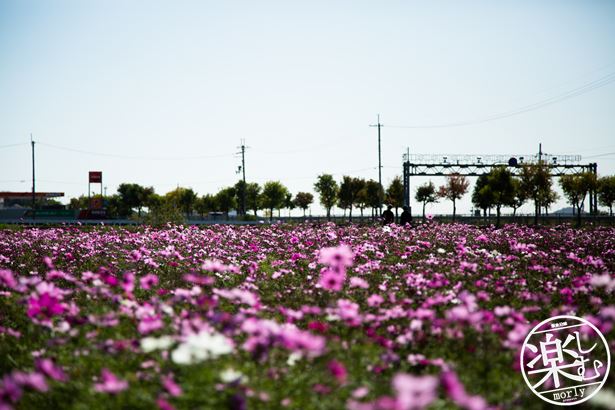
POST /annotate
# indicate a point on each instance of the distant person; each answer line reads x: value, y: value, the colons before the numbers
x: 406, y: 216
x: 387, y: 216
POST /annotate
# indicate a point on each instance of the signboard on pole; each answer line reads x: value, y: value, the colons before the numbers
x: 95, y: 177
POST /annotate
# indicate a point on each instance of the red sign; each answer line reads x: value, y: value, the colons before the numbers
x: 95, y: 176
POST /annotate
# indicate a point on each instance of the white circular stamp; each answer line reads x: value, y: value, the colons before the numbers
x: 565, y: 360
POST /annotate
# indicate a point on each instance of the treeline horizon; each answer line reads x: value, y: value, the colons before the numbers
x: 494, y: 190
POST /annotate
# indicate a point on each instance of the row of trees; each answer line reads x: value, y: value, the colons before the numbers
x: 132, y: 198
x: 351, y: 193
x: 500, y: 188
x: 495, y: 190
x: 358, y: 193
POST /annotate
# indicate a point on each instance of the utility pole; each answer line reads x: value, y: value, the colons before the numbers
x: 33, y: 181
x: 539, y: 152
x: 379, y: 156
x: 243, y: 171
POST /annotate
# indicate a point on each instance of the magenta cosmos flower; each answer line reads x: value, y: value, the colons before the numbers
x: 110, y: 383
x: 46, y: 301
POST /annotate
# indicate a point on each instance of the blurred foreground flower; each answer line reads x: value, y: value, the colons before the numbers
x: 110, y: 383
x: 202, y: 346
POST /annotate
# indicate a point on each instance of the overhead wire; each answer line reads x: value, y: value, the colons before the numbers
x: 135, y: 157
x: 13, y: 145
x: 585, y: 88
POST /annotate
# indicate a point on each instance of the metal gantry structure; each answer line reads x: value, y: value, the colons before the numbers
x: 476, y: 165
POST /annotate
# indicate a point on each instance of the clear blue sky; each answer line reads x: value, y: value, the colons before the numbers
x: 299, y: 81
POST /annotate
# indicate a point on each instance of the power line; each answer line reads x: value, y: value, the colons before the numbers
x: 599, y: 155
x: 135, y: 157
x: 13, y: 145
x: 587, y: 87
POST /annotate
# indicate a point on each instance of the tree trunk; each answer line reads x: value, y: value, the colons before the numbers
x: 350, y: 214
x: 454, y: 210
x: 497, y: 220
x: 270, y: 214
x: 328, y: 214
x: 396, y: 217
x: 424, y: 203
x: 579, y: 214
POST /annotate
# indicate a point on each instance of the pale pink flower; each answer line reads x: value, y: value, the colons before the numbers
x: 357, y: 282
x: 148, y: 281
x: 110, y: 383
x: 169, y: 384
x: 414, y: 392
x: 336, y: 256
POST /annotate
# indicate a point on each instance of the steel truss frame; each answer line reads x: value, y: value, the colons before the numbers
x: 476, y: 165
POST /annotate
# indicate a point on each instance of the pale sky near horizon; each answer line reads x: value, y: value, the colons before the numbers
x: 161, y: 93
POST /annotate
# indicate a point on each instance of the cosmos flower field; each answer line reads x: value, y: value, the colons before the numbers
x: 289, y: 316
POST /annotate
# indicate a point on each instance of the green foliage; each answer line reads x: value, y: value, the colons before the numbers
x: 328, y: 190
x: 303, y: 200
x: 576, y: 188
x: 163, y: 213
x: 226, y: 199
x: 133, y: 196
x: 606, y: 192
x: 273, y: 196
x: 253, y: 191
x: 349, y: 192
x: 182, y: 198
x: 374, y: 194
x: 205, y: 204
x: 395, y: 193
x: 240, y: 193
x: 426, y: 194
x: 537, y: 185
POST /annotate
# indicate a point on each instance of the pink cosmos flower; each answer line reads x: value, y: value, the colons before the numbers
x: 7, y: 279
x: 128, y: 282
x: 169, y: 384
x: 48, y: 262
x: 148, y: 281
x: 135, y: 255
x: 457, y: 392
x: 163, y: 404
x: 374, y: 300
x: 357, y: 282
x: 33, y: 380
x: 337, y: 256
x: 110, y: 383
x: 331, y: 281
x: 414, y: 392
x: 338, y: 371
x: 149, y: 324
x: 10, y: 390
x: 51, y: 370
x: 46, y: 301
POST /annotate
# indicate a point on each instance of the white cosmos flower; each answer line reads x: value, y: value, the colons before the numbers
x: 149, y: 344
x: 232, y: 375
x: 293, y: 358
x: 202, y: 346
